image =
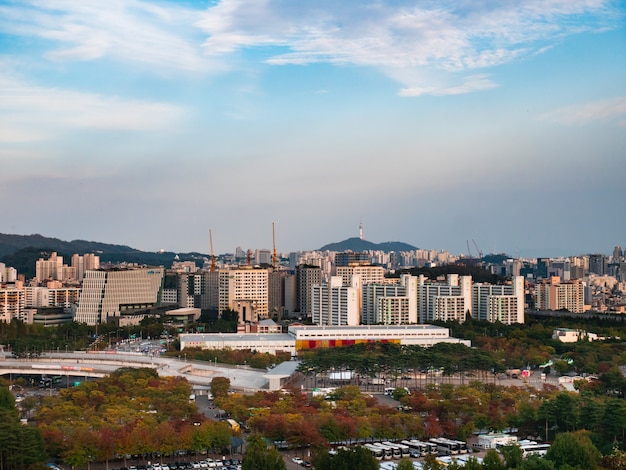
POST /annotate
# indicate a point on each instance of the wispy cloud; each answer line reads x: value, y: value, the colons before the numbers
x: 400, y: 38
x: 470, y: 84
x: 610, y: 110
x: 30, y: 112
x: 129, y: 31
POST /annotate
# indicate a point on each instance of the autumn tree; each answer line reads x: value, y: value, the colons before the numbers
x: 220, y: 387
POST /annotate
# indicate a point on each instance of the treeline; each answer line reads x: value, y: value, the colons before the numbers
x: 21, y: 447
x: 130, y: 412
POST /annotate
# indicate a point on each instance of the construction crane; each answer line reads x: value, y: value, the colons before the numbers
x: 274, y: 257
x: 212, y: 255
x: 469, y: 252
x: 480, y: 253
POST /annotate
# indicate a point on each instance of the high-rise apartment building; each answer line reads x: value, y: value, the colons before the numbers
x: 390, y: 303
x: 245, y: 283
x: 366, y: 274
x: 11, y: 304
x: 335, y: 304
x: 49, y: 268
x: 450, y: 300
x: 109, y: 294
x: 552, y: 294
x: 88, y: 261
x: 306, y: 277
x: 503, y: 303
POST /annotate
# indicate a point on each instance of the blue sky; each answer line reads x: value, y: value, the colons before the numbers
x: 147, y: 123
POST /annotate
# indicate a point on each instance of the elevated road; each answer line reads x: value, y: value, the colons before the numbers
x: 102, y: 363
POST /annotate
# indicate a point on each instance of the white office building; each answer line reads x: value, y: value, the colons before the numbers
x: 107, y: 295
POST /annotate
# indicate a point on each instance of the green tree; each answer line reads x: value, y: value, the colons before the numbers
x: 575, y: 450
x: 405, y: 464
x: 259, y: 457
x: 513, y: 456
x: 352, y: 458
x: 220, y: 387
x: 492, y: 461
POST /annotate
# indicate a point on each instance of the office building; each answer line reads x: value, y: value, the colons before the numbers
x: 108, y: 295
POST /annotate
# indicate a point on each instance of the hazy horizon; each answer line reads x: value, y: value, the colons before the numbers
x: 149, y: 122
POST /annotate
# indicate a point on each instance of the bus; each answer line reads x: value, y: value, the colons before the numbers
x: 462, y: 445
x: 376, y: 451
x: 234, y: 425
x: 533, y: 448
x: 404, y: 449
x: 419, y: 449
x: 387, y: 451
x: 445, y: 446
x: 395, y: 449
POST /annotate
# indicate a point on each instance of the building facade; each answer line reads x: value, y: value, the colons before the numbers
x: 333, y: 303
x: 446, y: 301
x: 552, y: 294
x: 107, y: 295
x: 503, y: 303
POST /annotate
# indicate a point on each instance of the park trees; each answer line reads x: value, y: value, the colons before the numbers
x: 21, y: 447
x: 574, y: 449
x: 258, y: 456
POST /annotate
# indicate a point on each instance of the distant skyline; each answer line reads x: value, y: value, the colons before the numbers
x: 147, y: 123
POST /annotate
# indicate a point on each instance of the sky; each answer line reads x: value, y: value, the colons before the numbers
x: 500, y: 123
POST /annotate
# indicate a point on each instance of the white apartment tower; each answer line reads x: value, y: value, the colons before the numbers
x: 106, y: 295
x: 450, y: 300
x: 334, y: 304
x: 244, y: 284
x: 503, y: 303
x: 83, y: 263
x: 390, y: 304
x: 49, y: 268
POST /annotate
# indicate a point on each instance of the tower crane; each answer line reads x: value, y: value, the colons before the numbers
x: 212, y: 255
x: 480, y: 253
x: 274, y: 257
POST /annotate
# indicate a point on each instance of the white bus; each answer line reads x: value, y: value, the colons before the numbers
x: 404, y: 449
x: 376, y: 451
x: 462, y: 445
x: 533, y: 448
x: 445, y: 446
x: 395, y: 449
x: 387, y: 451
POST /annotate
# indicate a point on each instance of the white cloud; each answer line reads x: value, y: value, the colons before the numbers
x: 471, y: 84
x: 400, y: 38
x: 29, y: 112
x: 130, y: 31
x: 613, y: 109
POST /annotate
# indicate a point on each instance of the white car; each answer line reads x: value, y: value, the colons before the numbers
x: 297, y: 460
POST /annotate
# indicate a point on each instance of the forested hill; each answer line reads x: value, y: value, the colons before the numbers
x: 356, y: 244
x: 22, y: 252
